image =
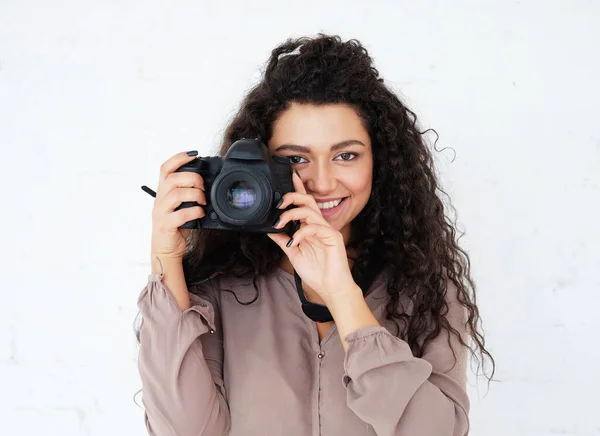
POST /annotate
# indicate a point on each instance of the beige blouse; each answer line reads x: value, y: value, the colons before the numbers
x: 224, y: 368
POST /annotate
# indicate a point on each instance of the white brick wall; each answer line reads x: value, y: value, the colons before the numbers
x: 95, y: 95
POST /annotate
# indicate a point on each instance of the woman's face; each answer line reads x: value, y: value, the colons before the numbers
x: 331, y: 150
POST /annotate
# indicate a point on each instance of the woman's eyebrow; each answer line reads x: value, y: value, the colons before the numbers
x: 305, y: 149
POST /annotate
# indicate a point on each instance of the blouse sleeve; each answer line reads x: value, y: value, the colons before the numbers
x: 181, y: 363
x: 399, y: 394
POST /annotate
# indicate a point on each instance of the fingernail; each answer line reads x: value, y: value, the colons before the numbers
x: 279, y: 203
x: 192, y: 153
x: 290, y: 242
x: 276, y: 222
x: 296, y: 172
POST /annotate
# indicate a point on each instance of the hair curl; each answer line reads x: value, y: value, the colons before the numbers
x: 408, y: 222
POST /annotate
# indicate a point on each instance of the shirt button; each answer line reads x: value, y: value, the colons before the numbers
x: 202, y: 304
x: 320, y: 355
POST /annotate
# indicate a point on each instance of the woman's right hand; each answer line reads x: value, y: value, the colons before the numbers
x: 168, y: 241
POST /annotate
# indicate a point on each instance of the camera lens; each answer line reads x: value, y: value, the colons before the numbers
x: 241, y: 195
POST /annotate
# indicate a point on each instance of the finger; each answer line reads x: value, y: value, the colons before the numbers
x: 176, y: 197
x: 297, y: 182
x: 299, y: 199
x: 177, y: 219
x: 173, y: 163
x: 305, y: 215
x: 184, y: 179
x: 280, y: 239
x: 325, y: 235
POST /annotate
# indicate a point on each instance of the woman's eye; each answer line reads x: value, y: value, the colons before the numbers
x: 296, y: 160
x: 347, y: 156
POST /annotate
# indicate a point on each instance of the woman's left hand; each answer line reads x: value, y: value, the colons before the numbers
x: 317, y: 251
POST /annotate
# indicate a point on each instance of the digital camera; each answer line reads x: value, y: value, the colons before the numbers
x: 242, y: 189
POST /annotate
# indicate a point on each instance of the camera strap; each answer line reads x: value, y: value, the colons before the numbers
x: 319, y: 312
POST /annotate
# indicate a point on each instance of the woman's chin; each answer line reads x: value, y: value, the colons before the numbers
x: 336, y: 223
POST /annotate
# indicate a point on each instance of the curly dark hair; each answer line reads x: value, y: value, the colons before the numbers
x: 416, y: 241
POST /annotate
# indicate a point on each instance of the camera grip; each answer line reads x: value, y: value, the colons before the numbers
x: 193, y: 224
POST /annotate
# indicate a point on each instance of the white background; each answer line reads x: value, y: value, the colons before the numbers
x: 94, y: 96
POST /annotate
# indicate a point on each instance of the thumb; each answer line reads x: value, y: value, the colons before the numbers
x: 280, y: 239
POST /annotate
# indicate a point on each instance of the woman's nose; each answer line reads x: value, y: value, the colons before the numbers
x: 321, y: 180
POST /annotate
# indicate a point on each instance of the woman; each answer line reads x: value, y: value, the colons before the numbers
x: 225, y: 347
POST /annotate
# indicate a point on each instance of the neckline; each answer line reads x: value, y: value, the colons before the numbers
x: 377, y: 283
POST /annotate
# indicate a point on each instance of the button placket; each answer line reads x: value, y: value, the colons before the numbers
x: 319, y: 364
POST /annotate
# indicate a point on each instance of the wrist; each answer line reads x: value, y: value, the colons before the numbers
x: 173, y: 278
x: 161, y: 263
x: 350, y: 294
x: 350, y: 313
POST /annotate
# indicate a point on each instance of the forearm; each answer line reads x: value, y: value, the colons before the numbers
x: 350, y: 312
x: 399, y: 394
x: 180, y: 364
x: 396, y: 392
x: 173, y: 279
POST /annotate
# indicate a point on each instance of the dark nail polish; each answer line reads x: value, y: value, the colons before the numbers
x: 279, y: 203
x: 297, y: 173
x: 290, y: 242
x: 276, y: 222
x: 192, y: 153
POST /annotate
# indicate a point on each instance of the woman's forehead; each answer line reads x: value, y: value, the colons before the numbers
x: 318, y: 126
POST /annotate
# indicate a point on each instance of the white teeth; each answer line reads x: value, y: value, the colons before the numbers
x: 329, y: 204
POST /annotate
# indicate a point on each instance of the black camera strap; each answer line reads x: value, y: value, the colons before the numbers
x: 319, y: 312
x: 315, y: 311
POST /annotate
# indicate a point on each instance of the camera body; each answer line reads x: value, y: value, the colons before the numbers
x: 242, y: 189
